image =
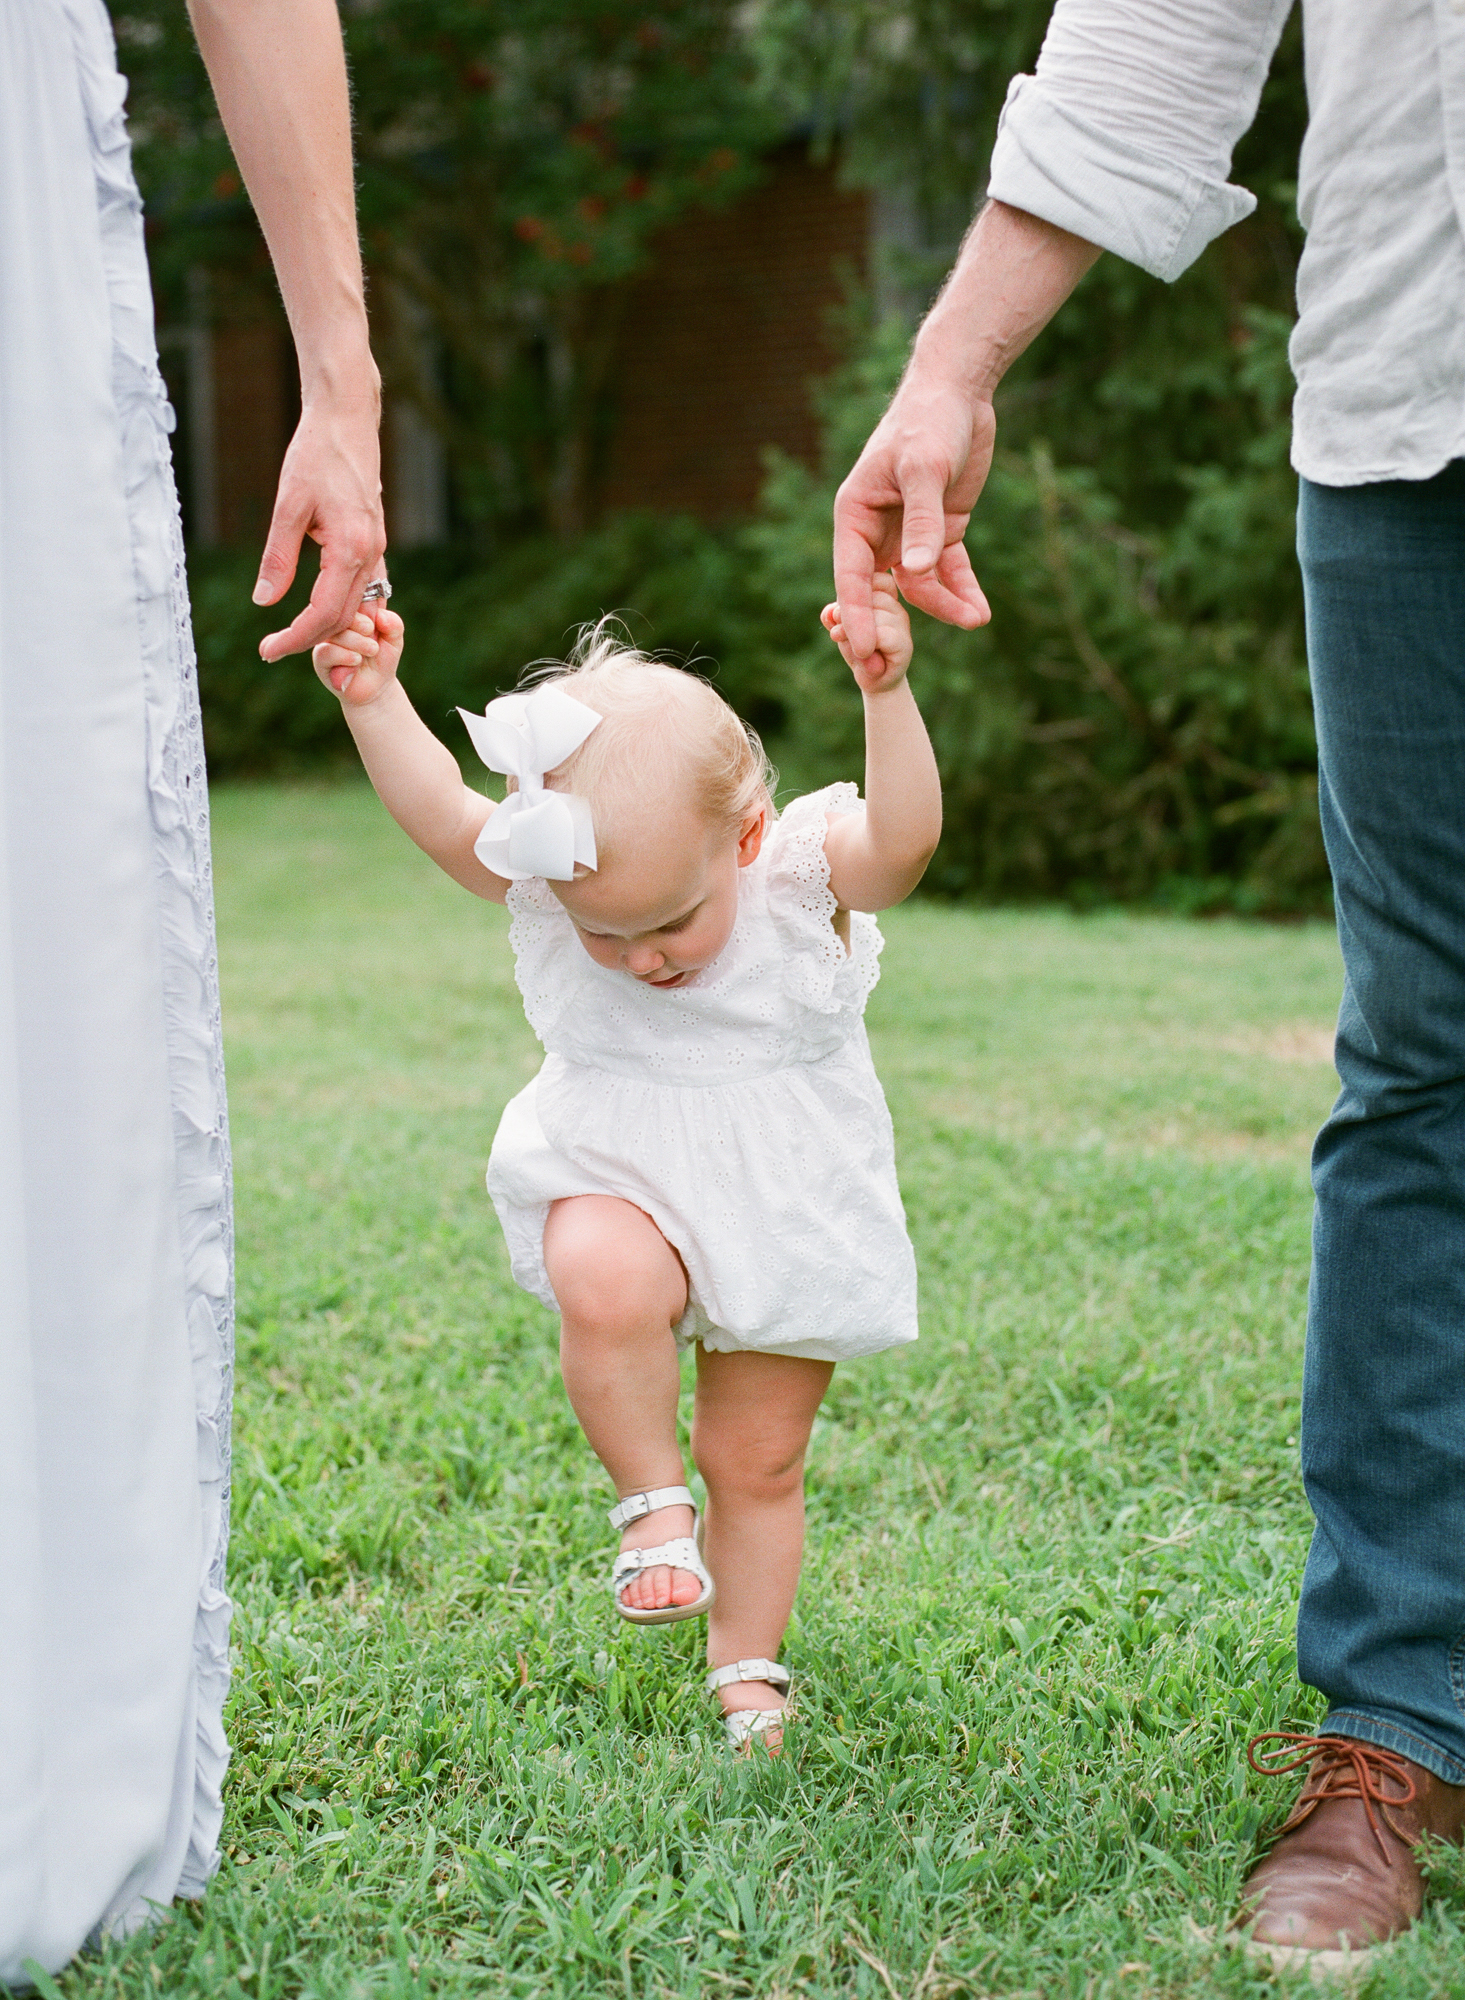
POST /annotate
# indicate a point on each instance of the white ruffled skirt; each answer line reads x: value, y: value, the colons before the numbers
x: 115, y: 1235
x: 777, y: 1191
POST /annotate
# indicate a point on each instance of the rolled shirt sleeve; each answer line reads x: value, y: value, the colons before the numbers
x: 1124, y: 136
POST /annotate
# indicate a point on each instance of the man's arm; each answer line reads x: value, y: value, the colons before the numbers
x: 279, y: 73
x: 906, y: 503
x: 1121, y: 141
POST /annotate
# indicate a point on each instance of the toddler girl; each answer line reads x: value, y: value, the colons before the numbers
x: 705, y: 1155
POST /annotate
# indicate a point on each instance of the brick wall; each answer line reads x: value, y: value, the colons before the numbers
x: 722, y: 339
x: 256, y: 392
x: 720, y: 342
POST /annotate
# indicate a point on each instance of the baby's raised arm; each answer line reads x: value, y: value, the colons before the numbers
x: 876, y: 859
x: 416, y: 777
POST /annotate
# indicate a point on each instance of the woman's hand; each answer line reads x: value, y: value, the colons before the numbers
x: 330, y: 491
x: 279, y: 72
x: 359, y: 662
x: 887, y: 666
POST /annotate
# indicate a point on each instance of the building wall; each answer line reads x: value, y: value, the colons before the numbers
x: 256, y: 395
x: 724, y: 337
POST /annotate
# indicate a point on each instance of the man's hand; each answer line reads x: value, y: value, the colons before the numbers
x: 905, y: 507
x: 330, y: 489
x: 906, y: 504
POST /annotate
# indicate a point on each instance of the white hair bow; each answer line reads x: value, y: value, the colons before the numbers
x: 534, y: 831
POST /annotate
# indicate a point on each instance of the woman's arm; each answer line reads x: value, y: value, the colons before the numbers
x: 416, y: 777
x: 279, y: 72
x: 877, y: 858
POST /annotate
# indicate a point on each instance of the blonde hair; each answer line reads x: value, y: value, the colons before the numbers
x: 667, y: 733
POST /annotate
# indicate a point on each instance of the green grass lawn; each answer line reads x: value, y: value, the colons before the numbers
x: 1053, y: 1552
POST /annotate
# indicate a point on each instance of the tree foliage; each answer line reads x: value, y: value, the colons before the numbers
x: 516, y: 158
x: 1136, y: 720
x: 516, y: 161
x: 1134, y: 723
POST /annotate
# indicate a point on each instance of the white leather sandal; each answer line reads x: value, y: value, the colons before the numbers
x: 683, y: 1553
x: 743, y: 1724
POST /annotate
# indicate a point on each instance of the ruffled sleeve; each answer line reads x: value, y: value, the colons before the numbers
x: 546, y: 954
x: 818, y: 972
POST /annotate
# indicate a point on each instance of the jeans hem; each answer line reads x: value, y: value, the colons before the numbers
x: 1388, y: 1733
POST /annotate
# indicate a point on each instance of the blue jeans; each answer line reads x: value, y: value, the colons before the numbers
x: 1381, y: 1627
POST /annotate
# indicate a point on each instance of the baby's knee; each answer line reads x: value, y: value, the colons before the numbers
x: 610, y: 1268
x: 749, y: 1469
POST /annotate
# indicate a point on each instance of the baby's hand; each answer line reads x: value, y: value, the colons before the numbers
x: 887, y: 665
x: 359, y: 661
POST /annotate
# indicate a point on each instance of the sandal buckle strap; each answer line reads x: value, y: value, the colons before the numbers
x: 748, y: 1670
x: 680, y: 1554
x: 636, y: 1506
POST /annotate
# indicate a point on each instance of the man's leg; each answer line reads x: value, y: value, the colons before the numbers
x: 1381, y: 1627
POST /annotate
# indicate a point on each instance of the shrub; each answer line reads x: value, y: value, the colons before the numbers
x: 472, y: 628
x: 1134, y: 724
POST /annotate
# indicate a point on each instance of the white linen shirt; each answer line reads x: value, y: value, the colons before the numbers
x: 1124, y: 136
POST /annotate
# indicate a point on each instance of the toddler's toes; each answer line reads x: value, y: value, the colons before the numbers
x: 757, y: 1695
x: 676, y: 1586
x: 637, y: 1594
x: 640, y: 1594
x: 684, y: 1587
x: 655, y: 1589
x: 769, y: 1740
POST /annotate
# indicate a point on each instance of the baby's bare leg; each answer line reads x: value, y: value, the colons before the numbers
x: 753, y: 1417
x: 621, y: 1290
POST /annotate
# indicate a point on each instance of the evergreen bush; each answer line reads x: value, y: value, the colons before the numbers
x: 1133, y: 725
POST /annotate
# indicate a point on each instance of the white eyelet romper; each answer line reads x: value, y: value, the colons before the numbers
x: 740, y: 1111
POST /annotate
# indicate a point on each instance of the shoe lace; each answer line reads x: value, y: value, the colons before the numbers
x: 1341, y: 1767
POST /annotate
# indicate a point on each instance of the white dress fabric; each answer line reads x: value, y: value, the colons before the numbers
x: 740, y: 1111
x: 115, y: 1238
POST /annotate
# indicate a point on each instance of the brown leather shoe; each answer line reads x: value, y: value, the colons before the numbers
x: 1343, y: 1877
